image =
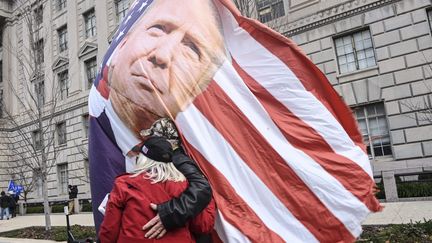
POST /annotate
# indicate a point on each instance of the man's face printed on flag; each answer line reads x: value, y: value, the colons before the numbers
x: 165, y: 61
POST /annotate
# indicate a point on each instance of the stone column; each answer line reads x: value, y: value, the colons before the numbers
x: 390, y: 186
x: 21, y: 208
x: 76, y: 206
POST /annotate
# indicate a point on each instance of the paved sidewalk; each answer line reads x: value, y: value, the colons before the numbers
x: 401, y: 212
x: 393, y: 213
x: 10, y: 240
x: 39, y: 220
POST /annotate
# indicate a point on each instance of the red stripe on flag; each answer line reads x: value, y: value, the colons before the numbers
x: 267, y: 164
x: 234, y: 209
x: 305, y: 138
x: 311, y: 77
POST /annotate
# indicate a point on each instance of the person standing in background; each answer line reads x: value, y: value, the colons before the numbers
x: 4, y: 205
x: 73, y: 193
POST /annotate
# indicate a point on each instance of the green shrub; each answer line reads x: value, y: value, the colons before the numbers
x: 87, y: 207
x: 414, y: 189
x: 381, y: 193
x: 35, y: 209
x: 403, y: 233
x: 57, y: 233
x: 58, y: 208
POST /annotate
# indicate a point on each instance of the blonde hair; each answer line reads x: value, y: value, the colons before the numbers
x: 157, y: 171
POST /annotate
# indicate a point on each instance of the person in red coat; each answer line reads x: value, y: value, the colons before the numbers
x: 154, y: 181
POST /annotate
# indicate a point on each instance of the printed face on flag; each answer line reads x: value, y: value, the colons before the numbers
x: 166, y: 60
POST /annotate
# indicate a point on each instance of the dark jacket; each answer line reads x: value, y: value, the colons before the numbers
x: 128, y: 209
x: 73, y: 192
x: 5, y: 201
x: 176, y: 212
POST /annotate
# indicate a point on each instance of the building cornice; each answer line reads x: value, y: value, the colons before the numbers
x: 333, y: 14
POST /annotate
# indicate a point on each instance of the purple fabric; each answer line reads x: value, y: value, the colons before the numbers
x: 106, y: 162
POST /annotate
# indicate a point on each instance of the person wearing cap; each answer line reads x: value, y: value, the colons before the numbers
x: 155, y: 180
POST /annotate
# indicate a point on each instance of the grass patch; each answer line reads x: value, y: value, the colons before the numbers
x: 57, y: 233
x: 398, y: 233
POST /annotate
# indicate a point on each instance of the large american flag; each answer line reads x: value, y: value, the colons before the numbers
x: 280, y: 148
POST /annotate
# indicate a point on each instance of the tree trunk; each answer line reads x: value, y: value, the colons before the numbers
x: 46, y: 203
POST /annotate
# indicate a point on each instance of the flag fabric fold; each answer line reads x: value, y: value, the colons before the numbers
x: 278, y: 145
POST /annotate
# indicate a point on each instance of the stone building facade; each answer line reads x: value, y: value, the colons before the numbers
x: 376, y: 53
x: 75, y: 36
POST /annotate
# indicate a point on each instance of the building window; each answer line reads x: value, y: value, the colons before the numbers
x: 270, y: 9
x: 38, y: 15
x: 1, y: 71
x: 61, y: 4
x: 91, y: 71
x: 373, y: 126
x: 62, y: 172
x: 62, y: 37
x: 63, y: 84
x: 87, y: 168
x: 61, y: 133
x: 122, y: 7
x: 37, y: 173
x: 1, y: 103
x: 39, y: 86
x: 37, y: 139
x: 39, y: 51
x: 429, y: 14
x: 355, y: 51
x: 85, y: 121
x: 90, y: 23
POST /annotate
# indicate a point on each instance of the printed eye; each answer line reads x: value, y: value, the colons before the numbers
x: 193, y: 47
x: 156, y: 29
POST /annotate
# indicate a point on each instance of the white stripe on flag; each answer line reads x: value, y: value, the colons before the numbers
x: 227, y: 232
x: 197, y: 131
x: 343, y: 204
x: 282, y: 83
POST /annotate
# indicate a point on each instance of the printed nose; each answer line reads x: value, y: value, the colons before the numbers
x: 163, y: 53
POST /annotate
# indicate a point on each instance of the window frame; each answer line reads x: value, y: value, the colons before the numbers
x: 63, y: 178
x: 123, y: 13
x: 63, y: 82
x: 61, y: 133
x: 62, y: 34
x: 61, y: 4
x: 38, y: 184
x: 37, y: 139
x: 86, y: 123
x: 91, y: 71
x: 39, y: 50
x: 39, y: 88
x: 369, y: 143
x: 38, y: 15
x: 90, y: 23
x: 429, y: 18
x: 275, y: 11
x: 86, y: 168
x: 1, y: 103
x: 355, y: 51
x: 1, y: 71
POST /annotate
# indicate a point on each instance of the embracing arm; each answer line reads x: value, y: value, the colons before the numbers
x: 178, y: 211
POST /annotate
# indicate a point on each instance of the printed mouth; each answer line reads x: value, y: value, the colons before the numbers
x: 145, y: 83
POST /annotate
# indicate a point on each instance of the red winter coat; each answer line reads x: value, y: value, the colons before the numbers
x: 128, y: 210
